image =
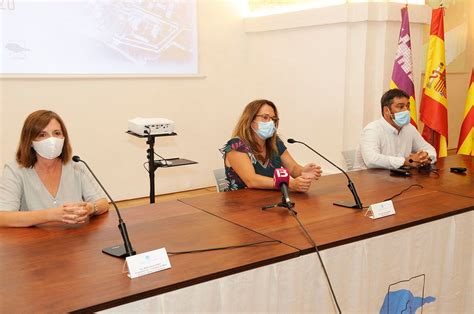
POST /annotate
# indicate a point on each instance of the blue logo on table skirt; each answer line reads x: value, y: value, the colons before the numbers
x: 403, y: 301
x: 400, y: 298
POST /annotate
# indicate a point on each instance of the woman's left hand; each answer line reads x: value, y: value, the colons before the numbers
x: 311, y: 171
x: 74, y: 213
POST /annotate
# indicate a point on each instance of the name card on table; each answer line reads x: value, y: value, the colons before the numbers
x: 147, y: 263
x: 380, y: 210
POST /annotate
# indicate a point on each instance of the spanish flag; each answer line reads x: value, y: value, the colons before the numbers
x: 434, y: 99
x: 402, y: 73
x: 466, y: 136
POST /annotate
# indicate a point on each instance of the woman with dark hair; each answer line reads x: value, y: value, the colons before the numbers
x: 43, y: 185
x: 255, y: 151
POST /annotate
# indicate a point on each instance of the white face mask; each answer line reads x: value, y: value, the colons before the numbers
x: 49, y: 148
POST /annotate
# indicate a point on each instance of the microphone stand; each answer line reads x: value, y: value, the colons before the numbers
x: 350, y: 184
x: 285, y: 201
x: 283, y: 204
x: 116, y: 250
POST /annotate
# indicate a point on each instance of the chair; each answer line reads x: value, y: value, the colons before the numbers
x: 221, y: 180
x: 349, y: 158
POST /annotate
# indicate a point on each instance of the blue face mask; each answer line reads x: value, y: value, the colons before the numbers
x: 265, y: 129
x: 401, y: 118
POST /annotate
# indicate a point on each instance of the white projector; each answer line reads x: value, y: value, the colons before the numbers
x: 155, y: 126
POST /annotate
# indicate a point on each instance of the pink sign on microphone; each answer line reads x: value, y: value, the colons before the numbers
x: 280, y: 176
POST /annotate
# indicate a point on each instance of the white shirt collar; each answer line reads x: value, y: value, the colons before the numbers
x: 388, y: 126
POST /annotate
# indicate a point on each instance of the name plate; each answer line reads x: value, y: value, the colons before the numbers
x: 380, y: 210
x: 147, y: 263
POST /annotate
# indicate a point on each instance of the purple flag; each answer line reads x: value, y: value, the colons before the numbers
x: 402, y: 73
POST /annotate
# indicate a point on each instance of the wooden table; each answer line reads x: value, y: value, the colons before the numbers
x: 59, y: 268
x: 447, y: 181
x: 330, y: 225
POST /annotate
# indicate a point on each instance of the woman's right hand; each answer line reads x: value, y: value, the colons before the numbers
x: 300, y: 184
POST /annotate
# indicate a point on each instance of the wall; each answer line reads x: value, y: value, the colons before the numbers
x: 96, y: 111
x: 327, y: 68
x: 324, y: 68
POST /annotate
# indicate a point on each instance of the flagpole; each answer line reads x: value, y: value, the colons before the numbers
x: 433, y: 140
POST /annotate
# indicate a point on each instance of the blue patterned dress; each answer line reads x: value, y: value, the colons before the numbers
x: 233, y: 180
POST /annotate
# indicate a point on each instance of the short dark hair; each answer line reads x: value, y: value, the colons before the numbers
x: 389, y: 95
x: 34, y: 124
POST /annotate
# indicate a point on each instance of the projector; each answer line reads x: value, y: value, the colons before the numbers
x: 155, y: 126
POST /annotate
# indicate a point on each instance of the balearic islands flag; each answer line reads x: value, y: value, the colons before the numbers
x: 434, y: 99
x: 466, y: 136
x: 402, y: 73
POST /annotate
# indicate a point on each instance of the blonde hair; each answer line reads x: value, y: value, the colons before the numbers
x: 244, y: 131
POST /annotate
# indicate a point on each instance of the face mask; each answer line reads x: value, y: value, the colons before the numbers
x: 401, y: 118
x: 49, y: 148
x: 265, y: 129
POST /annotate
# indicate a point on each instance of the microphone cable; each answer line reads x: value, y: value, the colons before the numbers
x: 226, y: 247
x: 274, y: 240
x: 308, y: 236
x: 162, y: 158
x: 400, y: 193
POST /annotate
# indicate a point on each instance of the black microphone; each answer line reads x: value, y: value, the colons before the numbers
x: 350, y: 184
x: 116, y: 250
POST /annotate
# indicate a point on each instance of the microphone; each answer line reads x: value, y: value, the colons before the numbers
x: 116, y: 250
x: 281, y: 179
x: 350, y: 184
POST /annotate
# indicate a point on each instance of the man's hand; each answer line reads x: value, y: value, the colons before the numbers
x: 420, y: 158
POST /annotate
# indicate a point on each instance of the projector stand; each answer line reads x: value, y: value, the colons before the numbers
x: 153, y: 165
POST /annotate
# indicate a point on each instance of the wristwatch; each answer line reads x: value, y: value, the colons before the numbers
x: 95, y: 209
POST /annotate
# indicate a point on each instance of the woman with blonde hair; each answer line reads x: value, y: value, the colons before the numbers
x: 255, y: 151
x: 43, y: 185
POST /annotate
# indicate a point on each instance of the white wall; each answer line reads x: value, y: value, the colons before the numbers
x: 302, y: 70
x: 325, y: 70
x: 96, y: 111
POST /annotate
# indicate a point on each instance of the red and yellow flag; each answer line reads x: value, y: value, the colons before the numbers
x: 466, y: 136
x: 434, y: 99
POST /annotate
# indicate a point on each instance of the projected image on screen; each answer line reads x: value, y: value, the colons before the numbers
x: 98, y: 37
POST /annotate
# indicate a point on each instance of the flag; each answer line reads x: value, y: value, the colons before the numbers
x: 402, y: 73
x: 466, y: 136
x: 434, y: 99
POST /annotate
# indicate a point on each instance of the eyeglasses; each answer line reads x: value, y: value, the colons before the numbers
x: 266, y: 117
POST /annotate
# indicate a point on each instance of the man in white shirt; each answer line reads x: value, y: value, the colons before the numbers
x: 391, y: 141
